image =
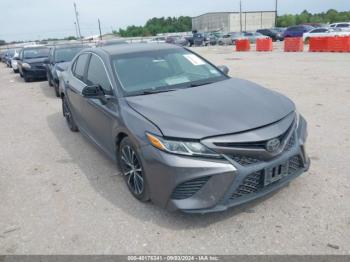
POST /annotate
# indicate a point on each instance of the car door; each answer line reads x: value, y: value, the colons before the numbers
x: 100, y: 114
x: 74, y: 88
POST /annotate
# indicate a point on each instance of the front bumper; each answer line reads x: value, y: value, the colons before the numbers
x: 35, y: 73
x: 197, y: 185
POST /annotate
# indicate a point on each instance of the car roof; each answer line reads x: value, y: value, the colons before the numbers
x: 137, y: 47
x: 69, y: 46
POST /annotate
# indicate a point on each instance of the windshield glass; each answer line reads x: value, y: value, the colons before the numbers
x: 163, y: 70
x: 66, y: 54
x: 35, y: 53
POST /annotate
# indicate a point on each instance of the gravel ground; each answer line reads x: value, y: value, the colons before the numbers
x: 60, y: 195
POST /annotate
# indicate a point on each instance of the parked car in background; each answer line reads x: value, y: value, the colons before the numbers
x: 272, y: 33
x: 2, y: 55
x: 190, y: 39
x: 297, y: 31
x: 184, y: 134
x: 253, y: 36
x: 204, y: 39
x: 325, y: 31
x: 8, y: 56
x: 111, y: 42
x: 158, y: 39
x: 58, y: 61
x: 14, y: 61
x: 344, y: 26
x: 177, y: 40
x: 230, y: 38
x: 31, y: 62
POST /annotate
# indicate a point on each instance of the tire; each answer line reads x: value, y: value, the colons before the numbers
x: 68, y: 116
x: 57, y: 93
x: 20, y: 74
x: 131, y: 168
x: 26, y: 78
x: 15, y: 71
x: 49, y: 79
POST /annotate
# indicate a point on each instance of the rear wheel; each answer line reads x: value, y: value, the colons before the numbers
x: 132, y: 170
x: 68, y: 115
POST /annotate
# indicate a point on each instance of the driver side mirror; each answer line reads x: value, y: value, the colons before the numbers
x: 93, y: 91
x: 224, y: 69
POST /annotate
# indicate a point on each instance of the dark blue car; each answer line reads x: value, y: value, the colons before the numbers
x: 297, y: 31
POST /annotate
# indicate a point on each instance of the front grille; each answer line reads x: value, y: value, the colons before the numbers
x: 254, y: 182
x: 189, y: 188
x: 291, y: 143
x: 251, y: 184
x: 245, y: 160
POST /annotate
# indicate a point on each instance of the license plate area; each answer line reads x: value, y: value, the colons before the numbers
x: 273, y: 174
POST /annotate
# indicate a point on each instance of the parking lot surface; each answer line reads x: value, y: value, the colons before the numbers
x: 60, y: 195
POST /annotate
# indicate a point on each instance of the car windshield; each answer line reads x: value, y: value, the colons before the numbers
x: 66, y: 54
x: 36, y: 53
x: 161, y: 70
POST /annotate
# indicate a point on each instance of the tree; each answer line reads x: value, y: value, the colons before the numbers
x: 2, y: 42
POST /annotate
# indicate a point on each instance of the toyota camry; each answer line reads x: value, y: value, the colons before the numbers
x: 184, y: 134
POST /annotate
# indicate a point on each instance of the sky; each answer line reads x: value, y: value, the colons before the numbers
x: 39, y: 19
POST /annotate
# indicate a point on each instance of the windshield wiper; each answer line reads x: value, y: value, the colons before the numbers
x: 199, y: 84
x: 150, y: 92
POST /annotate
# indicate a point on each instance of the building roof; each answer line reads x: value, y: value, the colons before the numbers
x: 245, y: 12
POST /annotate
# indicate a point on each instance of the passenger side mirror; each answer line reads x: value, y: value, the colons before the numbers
x: 224, y: 69
x: 93, y: 91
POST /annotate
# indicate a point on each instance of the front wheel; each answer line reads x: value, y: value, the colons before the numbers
x: 132, y: 170
x: 49, y: 79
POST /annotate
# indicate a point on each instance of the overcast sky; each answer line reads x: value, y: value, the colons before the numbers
x: 38, y: 19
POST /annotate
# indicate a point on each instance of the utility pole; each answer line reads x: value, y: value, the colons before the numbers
x: 240, y: 14
x: 76, y: 30
x: 276, y: 16
x: 99, y: 28
x: 77, y: 19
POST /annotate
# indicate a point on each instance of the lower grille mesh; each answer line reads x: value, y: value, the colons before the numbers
x: 255, y: 181
x: 189, y: 188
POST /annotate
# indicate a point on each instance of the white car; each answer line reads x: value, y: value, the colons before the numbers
x: 324, y: 31
x: 14, y: 61
x: 344, y: 26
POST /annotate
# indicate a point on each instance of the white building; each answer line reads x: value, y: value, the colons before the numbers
x: 231, y: 21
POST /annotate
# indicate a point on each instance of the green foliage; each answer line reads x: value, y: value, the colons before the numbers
x: 2, y: 42
x: 156, y: 26
x: 70, y: 38
x: 331, y: 16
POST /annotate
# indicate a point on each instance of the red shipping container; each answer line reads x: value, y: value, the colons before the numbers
x: 293, y: 44
x: 264, y: 44
x: 339, y: 44
x: 319, y: 44
x: 242, y: 45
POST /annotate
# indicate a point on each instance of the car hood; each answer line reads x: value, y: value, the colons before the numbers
x: 225, y: 107
x: 62, y: 66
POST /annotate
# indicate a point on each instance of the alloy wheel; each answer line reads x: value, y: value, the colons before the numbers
x: 132, y: 170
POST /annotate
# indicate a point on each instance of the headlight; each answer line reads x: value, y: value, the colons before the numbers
x: 26, y: 65
x: 58, y: 72
x: 185, y: 148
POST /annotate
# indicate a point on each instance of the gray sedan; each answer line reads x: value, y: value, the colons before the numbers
x: 185, y: 135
